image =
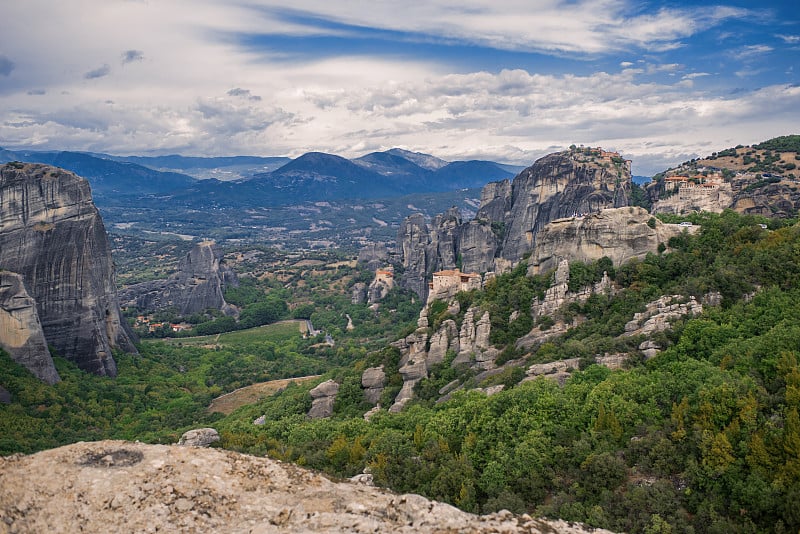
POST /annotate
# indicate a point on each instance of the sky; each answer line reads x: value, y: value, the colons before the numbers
x: 506, y: 80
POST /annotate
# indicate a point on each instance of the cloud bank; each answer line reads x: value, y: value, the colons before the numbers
x: 223, y: 78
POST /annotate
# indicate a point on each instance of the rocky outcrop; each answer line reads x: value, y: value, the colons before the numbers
x: 372, y: 380
x: 659, y: 313
x: 559, y: 371
x: 21, y: 333
x: 620, y: 234
x: 373, y: 255
x: 199, y: 437
x: 378, y: 290
x: 444, y: 339
x: 198, y: 285
x: 495, y: 202
x: 52, y: 235
x: 324, y: 396
x: 115, y: 485
x: 477, y: 245
x: 413, y: 365
x: 416, y: 254
x: 558, y: 186
x: 359, y: 293
x: 474, y: 347
x: 716, y: 184
x: 512, y: 215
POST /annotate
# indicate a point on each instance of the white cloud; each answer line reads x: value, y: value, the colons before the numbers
x: 789, y: 39
x: 751, y: 51
x: 197, y: 94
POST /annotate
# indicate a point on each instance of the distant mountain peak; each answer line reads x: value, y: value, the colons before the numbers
x: 426, y: 161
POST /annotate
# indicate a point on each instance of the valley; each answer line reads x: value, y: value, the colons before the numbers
x: 566, y: 344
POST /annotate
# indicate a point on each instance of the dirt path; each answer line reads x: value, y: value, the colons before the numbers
x: 250, y: 394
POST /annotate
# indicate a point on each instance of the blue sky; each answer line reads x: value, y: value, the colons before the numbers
x: 661, y: 82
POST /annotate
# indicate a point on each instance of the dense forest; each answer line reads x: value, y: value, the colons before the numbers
x: 704, y: 437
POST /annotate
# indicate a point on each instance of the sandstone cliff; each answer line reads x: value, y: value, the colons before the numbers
x: 52, y: 235
x: 132, y: 487
x: 512, y: 215
x: 198, y: 284
x: 21, y: 333
x: 620, y: 234
x: 560, y: 185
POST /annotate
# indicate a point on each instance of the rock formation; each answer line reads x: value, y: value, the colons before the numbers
x: 657, y: 315
x: 512, y: 215
x: 21, y: 333
x: 474, y: 347
x: 199, y: 437
x: 198, y: 285
x: 324, y: 395
x: 373, y: 255
x: 424, y: 249
x: 372, y: 380
x: 359, y: 293
x: 52, y: 235
x: 620, y: 234
x: 116, y: 485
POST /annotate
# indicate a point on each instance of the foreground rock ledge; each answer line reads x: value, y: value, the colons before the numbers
x: 111, y: 486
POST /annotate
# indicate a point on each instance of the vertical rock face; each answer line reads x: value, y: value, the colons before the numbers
x: 477, y: 246
x: 21, y: 332
x: 512, y: 215
x: 557, y: 186
x: 495, y: 201
x: 52, y: 235
x: 198, y: 284
x: 620, y: 234
x: 413, y: 242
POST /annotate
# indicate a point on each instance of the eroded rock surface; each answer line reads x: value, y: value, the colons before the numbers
x: 95, y: 487
x: 324, y: 395
x: 512, y: 215
x: 53, y: 236
x: 21, y: 333
x: 620, y: 234
x: 198, y: 284
x: 372, y: 380
x: 199, y: 437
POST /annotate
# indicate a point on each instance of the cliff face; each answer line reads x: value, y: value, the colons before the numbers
x: 557, y: 186
x: 198, y: 285
x: 21, y: 333
x: 620, y: 234
x: 52, y: 235
x: 511, y: 215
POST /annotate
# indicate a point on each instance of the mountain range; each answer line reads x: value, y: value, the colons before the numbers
x: 249, y: 181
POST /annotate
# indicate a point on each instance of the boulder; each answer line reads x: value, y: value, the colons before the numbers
x: 372, y: 380
x: 199, y: 437
x: 324, y: 396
